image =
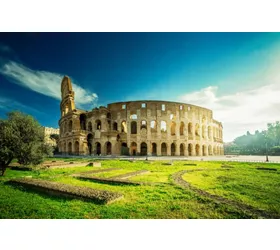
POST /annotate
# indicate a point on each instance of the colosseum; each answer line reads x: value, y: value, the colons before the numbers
x: 158, y: 128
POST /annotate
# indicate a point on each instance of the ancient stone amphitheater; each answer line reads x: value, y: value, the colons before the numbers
x: 138, y: 128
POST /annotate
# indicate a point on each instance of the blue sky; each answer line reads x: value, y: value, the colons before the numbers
x: 235, y: 74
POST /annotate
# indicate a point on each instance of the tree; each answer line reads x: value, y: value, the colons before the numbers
x: 21, y: 137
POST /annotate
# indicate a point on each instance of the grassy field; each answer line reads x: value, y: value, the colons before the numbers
x: 242, y: 183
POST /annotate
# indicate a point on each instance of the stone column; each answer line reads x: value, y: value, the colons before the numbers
x: 168, y: 149
x: 159, y: 149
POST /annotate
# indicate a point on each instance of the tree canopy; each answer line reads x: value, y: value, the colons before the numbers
x: 21, y: 137
x: 257, y: 143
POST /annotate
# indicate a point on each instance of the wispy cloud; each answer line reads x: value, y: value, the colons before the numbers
x: 7, y: 104
x: 46, y: 83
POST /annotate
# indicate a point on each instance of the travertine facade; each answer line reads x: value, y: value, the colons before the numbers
x: 50, y: 131
x: 138, y: 128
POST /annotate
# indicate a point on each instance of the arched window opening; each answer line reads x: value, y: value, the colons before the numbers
x: 124, y: 127
x: 70, y: 126
x: 190, y: 128
x: 133, y: 127
x: 173, y: 128
x: 197, y: 129
x: 163, y: 126
x: 153, y: 126
x: 163, y: 149
x: 143, y: 148
x: 115, y: 126
x: 89, y: 143
x: 182, y: 149
x: 70, y: 148
x: 204, y: 149
x: 173, y: 149
x: 77, y: 152
x: 83, y: 121
x: 154, y: 149
x: 98, y: 148
x: 133, y: 148
x: 98, y: 125
x: 89, y: 126
x: 197, y: 150
x: 182, y: 126
x: 108, y: 146
x: 190, y: 149
x: 133, y: 117
x: 124, y: 149
x: 143, y: 124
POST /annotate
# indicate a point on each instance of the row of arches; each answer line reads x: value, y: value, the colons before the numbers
x: 204, y: 132
x: 183, y: 150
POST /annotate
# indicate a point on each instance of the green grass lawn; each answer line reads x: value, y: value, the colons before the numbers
x: 163, y: 199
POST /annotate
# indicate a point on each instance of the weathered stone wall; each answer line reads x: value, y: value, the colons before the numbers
x: 137, y: 128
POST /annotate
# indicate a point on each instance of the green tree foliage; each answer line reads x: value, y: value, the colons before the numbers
x: 21, y: 137
x: 256, y: 143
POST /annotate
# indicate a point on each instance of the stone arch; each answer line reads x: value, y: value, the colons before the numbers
x: 98, y: 148
x: 83, y: 121
x: 182, y: 127
x: 173, y: 149
x: 190, y: 128
x: 89, y: 143
x: 64, y: 148
x: 197, y: 147
x: 70, y: 126
x: 143, y: 124
x: 190, y: 149
x: 115, y: 126
x: 133, y: 127
x: 124, y: 149
x: 90, y: 126
x: 143, y: 148
x: 77, y: 148
x: 123, y: 127
x: 197, y: 129
x: 153, y: 126
x: 204, y: 150
x: 108, y: 147
x: 182, y: 149
x: 154, y: 149
x: 98, y: 125
x: 163, y: 149
x: 69, y: 148
x: 210, y: 152
x: 163, y: 126
x: 133, y: 148
x: 173, y: 128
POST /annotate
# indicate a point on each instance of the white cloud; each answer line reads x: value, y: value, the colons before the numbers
x: 46, y: 83
x: 249, y: 110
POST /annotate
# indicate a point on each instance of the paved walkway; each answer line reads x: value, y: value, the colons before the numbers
x: 239, y: 158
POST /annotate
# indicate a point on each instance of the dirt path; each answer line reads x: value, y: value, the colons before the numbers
x: 177, y: 178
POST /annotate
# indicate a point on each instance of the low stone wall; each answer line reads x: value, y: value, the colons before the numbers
x: 109, y: 180
x: 96, y: 171
x: 131, y: 174
x: 69, y: 191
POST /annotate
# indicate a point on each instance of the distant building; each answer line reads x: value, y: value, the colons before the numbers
x: 48, y: 132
